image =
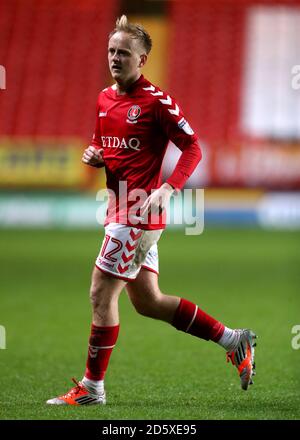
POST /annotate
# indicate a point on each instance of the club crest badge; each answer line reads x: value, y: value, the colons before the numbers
x: 133, y: 113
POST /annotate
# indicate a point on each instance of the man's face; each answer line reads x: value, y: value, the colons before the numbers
x: 125, y: 57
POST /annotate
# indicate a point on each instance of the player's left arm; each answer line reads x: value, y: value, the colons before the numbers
x: 178, y: 130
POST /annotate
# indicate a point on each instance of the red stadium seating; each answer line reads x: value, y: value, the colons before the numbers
x: 54, y: 53
x: 205, y: 63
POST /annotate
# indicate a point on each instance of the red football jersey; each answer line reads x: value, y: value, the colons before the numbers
x: 134, y: 130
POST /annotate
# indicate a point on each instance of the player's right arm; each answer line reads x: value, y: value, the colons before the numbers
x: 93, y: 154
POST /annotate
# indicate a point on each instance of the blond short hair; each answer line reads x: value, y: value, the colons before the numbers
x: 136, y: 31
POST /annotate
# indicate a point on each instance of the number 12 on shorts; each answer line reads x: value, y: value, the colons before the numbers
x: 109, y: 255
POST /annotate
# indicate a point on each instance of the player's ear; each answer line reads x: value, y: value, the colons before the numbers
x: 143, y: 59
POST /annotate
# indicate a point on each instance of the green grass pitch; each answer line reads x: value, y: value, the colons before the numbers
x: 245, y: 278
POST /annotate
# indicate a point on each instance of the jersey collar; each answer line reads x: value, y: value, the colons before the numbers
x: 132, y: 88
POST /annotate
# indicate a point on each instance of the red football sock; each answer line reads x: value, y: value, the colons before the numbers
x: 101, y: 344
x: 190, y: 319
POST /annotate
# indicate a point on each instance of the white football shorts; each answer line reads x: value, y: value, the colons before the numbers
x: 125, y: 250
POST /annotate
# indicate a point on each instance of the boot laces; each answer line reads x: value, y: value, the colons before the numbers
x: 75, y: 390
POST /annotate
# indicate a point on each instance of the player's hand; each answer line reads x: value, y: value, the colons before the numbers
x: 93, y: 157
x: 158, y: 201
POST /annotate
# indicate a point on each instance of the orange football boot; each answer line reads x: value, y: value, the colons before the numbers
x: 242, y: 357
x: 78, y: 395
